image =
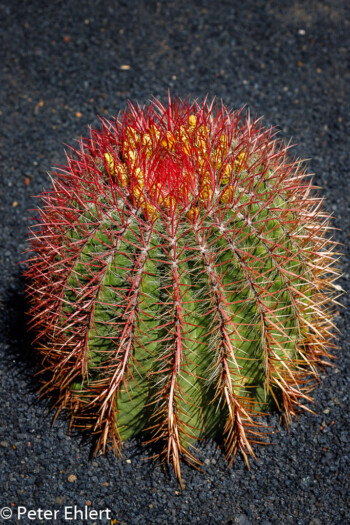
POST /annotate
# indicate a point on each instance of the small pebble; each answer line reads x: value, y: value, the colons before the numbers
x: 72, y: 478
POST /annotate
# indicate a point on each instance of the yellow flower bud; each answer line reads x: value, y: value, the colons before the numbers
x: 203, y: 131
x: 226, y: 174
x: 206, y: 192
x: 239, y: 161
x: 169, y: 140
x: 192, y: 213
x: 169, y: 201
x: 187, y: 147
x: 137, y: 193
x: 154, y: 131
x: 223, y: 140
x: 206, y: 176
x: 139, y: 176
x: 146, y: 140
x: 227, y: 196
x: 192, y: 121
x: 201, y: 161
x: 123, y: 174
x: 132, y: 155
x: 110, y: 163
x: 151, y: 210
x: 182, y: 132
x: 201, y: 143
x: 132, y: 137
x: 217, y: 159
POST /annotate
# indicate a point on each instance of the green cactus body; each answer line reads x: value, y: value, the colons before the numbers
x: 182, y: 281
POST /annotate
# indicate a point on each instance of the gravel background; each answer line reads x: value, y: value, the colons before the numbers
x: 63, y: 65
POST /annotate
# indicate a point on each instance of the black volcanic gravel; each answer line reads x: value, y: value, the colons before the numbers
x: 61, y: 65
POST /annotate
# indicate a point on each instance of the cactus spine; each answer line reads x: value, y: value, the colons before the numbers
x: 182, y: 280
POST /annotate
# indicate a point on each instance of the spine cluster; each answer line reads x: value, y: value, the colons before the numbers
x: 182, y: 280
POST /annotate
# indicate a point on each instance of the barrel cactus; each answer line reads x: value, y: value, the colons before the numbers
x: 182, y: 281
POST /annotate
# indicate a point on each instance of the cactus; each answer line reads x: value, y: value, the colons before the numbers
x: 182, y: 282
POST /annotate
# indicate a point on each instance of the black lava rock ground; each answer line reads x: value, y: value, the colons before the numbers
x: 62, y: 64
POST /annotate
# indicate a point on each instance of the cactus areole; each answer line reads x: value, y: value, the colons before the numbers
x: 182, y: 281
